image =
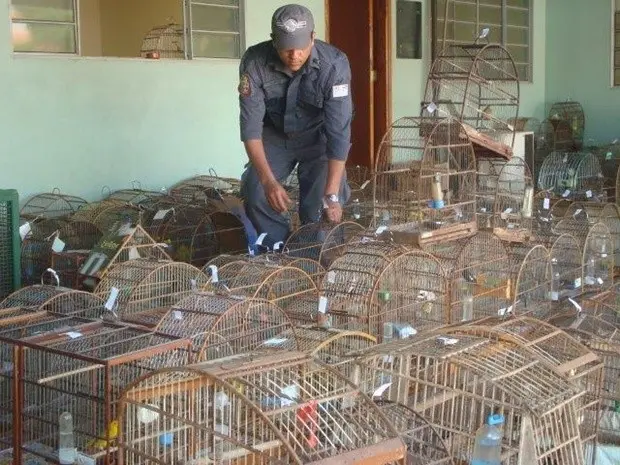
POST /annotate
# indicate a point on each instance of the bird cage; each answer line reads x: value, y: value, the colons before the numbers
x: 83, y: 372
x: 486, y: 189
x: 514, y: 202
x: 572, y: 113
x: 125, y: 244
x: 230, y: 235
x: 479, y: 272
x: 276, y: 408
x: 37, y: 247
x: 598, y: 258
x: 209, y: 190
x: 144, y: 284
x: 478, y: 85
x: 90, y: 211
x: 223, y: 325
x: 386, y: 291
x: 548, y: 211
x: 359, y: 208
x: 51, y: 205
x: 115, y: 216
x: 425, y: 445
x: 606, y: 303
x: 286, y: 286
x: 456, y: 380
x: 322, y: 242
x: 575, y: 176
x: 566, y: 268
x: 329, y: 345
x: 133, y: 196
x: 424, y: 181
x: 55, y: 299
x: 532, y: 282
x: 166, y: 42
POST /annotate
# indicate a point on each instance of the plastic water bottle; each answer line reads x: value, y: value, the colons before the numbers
x: 488, y: 445
x: 67, y: 454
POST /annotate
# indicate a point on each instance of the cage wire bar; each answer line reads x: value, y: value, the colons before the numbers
x: 598, y: 259
x: 51, y: 205
x: 455, y: 380
x: 278, y: 408
x: 10, y: 250
x: 37, y: 248
x: 572, y: 175
x: 566, y: 268
x: 572, y: 113
x: 486, y: 189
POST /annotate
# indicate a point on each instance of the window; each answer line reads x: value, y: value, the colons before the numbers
x: 509, y: 22
x: 615, y: 46
x: 181, y: 29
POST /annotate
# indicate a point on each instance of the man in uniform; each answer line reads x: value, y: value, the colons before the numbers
x: 295, y: 110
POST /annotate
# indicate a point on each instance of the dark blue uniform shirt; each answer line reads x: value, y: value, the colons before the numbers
x: 315, y: 101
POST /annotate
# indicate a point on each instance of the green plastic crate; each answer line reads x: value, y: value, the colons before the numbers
x: 10, y: 243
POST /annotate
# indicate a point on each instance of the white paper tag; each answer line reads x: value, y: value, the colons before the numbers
x: 331, y: 277
x: 133, y: 253
x: 547, y: 203
x: 261, y: 238
x: 600, y: 280
x: 388, y: 359
x: 178, y: 315
x: 365, y: 184
x: 579, y: 210
x: 275, y: 341
x: 381, y: 389
x: 161, y: 214
x: 589, y: 194
x: 73, y: 334
x: 290, y: 395
x: 577, y: 283
x: 58, y: 245
x: 483, y: 209
x: 484, y: 33
x: 447, y: 341
x: 603, y: 255
x: 431, y: 108
x: 214, y: 276
x: 322, y: 304
x: 111, y: 298
x: 508, y: 211
x: 193, y: 284
x: 565, y: 159
x: 380, y: 230
x: 24, y: 230
x: 341, y: 90
x: 566, y: 193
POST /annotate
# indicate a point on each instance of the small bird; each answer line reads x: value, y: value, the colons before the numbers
x: 112, y: 435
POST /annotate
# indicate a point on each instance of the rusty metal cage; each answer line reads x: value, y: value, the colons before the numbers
x: 566, y: 268
x: 477, y: 84
x: 479, y: 276
x: 455, y: 380
x: 572, y: 113
x: 424, y: 183
x: 386, y: 290
x: 51, y: 205
x: 143, y: 284
x: 83, y: 372
x: 572, y: 175
x: 278, y: 408
x: 322, y: 242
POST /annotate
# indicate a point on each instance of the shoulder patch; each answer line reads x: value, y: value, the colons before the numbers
x: 244, y: 88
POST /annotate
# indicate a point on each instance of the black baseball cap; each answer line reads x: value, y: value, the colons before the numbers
x: 292, y: 27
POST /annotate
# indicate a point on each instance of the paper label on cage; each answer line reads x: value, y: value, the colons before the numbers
x: 577, y: 283
x: 579, y: 210
x: 214, y: 276
x: 365, y: 184
x: 58, y: 245
x: 178, y: 315
x: 555, y: 296
x: 600, y: 280
x: 381, y: 230
x: 194, y: 284
x: 484, y: 33
x: 275, y: 341
x: 125, y: 230
x: 566, y: 193
x: 589, y: 194
x: 504, y: 311
x: 322, y: 304
x: 483, y: 210
x: 109, y: 305
x: 331, y: 277
x: 508, y: 211
x: 133, y: 253
x: 603, y: 255
x: 565, y: 159
x: 24, y: 230
x: 381, y: 389
x: 608, y: 156
x: 447, y: 341
x: 431, y: 108
x: 261, y: 238
x: 575, y: 304
x: 73, y: 334
x: 547, y: 203
x: 289, y: 395
x: 388, y: 359
x: 161, y: 214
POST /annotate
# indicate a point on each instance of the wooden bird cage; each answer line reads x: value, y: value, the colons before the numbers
x: 51, y: 205
x: 572, y: 113
x: 532, y: 282
x: 385, y: 290
x: 486, y: 189
x: 134, y: 195
x: 83, y: 372
x: 277, y: 408
x: 115, y: 216
x: 566, y: 268
x: 548, y: 211
x: 479, y: 273
x: 37, y: 248
x: 222, y: 325
x: 359, y: 208
x: 91, y: 211
x: 598, y: 259
x: 456, y: 380
x: 210, y: 190
x: 164, y: 42
x: 478, y: 85
x: 321, y: 242
x: 145, y: 284
x: 416, y: 157
x: 575, y: 176
x: 514, y: 202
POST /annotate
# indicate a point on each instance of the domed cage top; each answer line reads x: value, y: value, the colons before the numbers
x: 572, y: 113
x: 532, y: 284
x: 572, y: 175
x: 210, y: 190
x: 274, y: 408
x: 51, y: 205
x: 566, y: 268
x: 166, y: 42
x: 478, y: 85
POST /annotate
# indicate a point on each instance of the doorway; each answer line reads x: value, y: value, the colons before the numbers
x: 362, y: 30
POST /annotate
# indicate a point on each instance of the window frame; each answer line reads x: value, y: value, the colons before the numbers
x: 503, y: 33
x: 615, y: 32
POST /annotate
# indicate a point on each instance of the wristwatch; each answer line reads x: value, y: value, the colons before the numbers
x: 330, y: 199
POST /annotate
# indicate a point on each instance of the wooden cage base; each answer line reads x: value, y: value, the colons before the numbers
x: 512, y: 235
x: 410, y: 234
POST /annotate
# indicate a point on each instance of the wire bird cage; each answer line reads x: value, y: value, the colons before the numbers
x: 55, y: 299
x: 322, y: 242
x: 424, y: 185
x: 572, y: 113
x: 486, y: 190
x: 51, y: 205
x: 143, y: 284
x: 598, y: 259
x: 478, y: 85
x: 166, y: 42
x: 514, y: 202
x: 133, y: 196
x: 83, y: 372
x: 479, y: 273
x: 455, y: 380
x: 206, y: 189
x: 277, y: 408
x: 37, y: 248
x: 385, y: 290
x: 566, y: 268
x: 548, y: 138
x: 575, y: 176
x: 548, y: 212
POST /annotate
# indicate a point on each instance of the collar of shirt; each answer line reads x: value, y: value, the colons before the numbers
x: 275, y: 62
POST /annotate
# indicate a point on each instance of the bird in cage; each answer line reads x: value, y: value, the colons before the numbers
x: 102, y: 444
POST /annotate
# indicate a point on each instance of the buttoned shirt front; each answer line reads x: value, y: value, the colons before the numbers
x: 316, y: 100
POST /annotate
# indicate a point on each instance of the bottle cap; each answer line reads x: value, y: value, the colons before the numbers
x: 496, y: 419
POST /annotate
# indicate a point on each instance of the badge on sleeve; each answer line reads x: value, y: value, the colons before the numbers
x: 245, y: 89
x: 341, y: 90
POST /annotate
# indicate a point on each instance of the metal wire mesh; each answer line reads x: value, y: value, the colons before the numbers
x: 204, y: 189
x: 36, y: 248
x: 572, y: 175
x: 598, y: 258
x: 51, y: 205
x: 566, y: 268
x: 280, y: 408
x: 532, y: 278
x: 166, y: 42
x: 54, y: 299
x: 486, y: 189
x: 133, y: 196
x: 572, y: 113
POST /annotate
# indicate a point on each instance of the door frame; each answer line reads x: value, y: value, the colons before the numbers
x: 384, y: 82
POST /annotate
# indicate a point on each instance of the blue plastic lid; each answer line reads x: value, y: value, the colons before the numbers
x: 496, y: 419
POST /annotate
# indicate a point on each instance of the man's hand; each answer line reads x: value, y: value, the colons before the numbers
x: 277, y: 196
x: 333, y: 212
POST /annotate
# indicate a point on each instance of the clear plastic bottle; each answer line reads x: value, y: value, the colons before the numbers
x: 555, y: 287
x: 357, y: 210
x: 468, y: 308
x: 488, y: 445
x: 67, y: 454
